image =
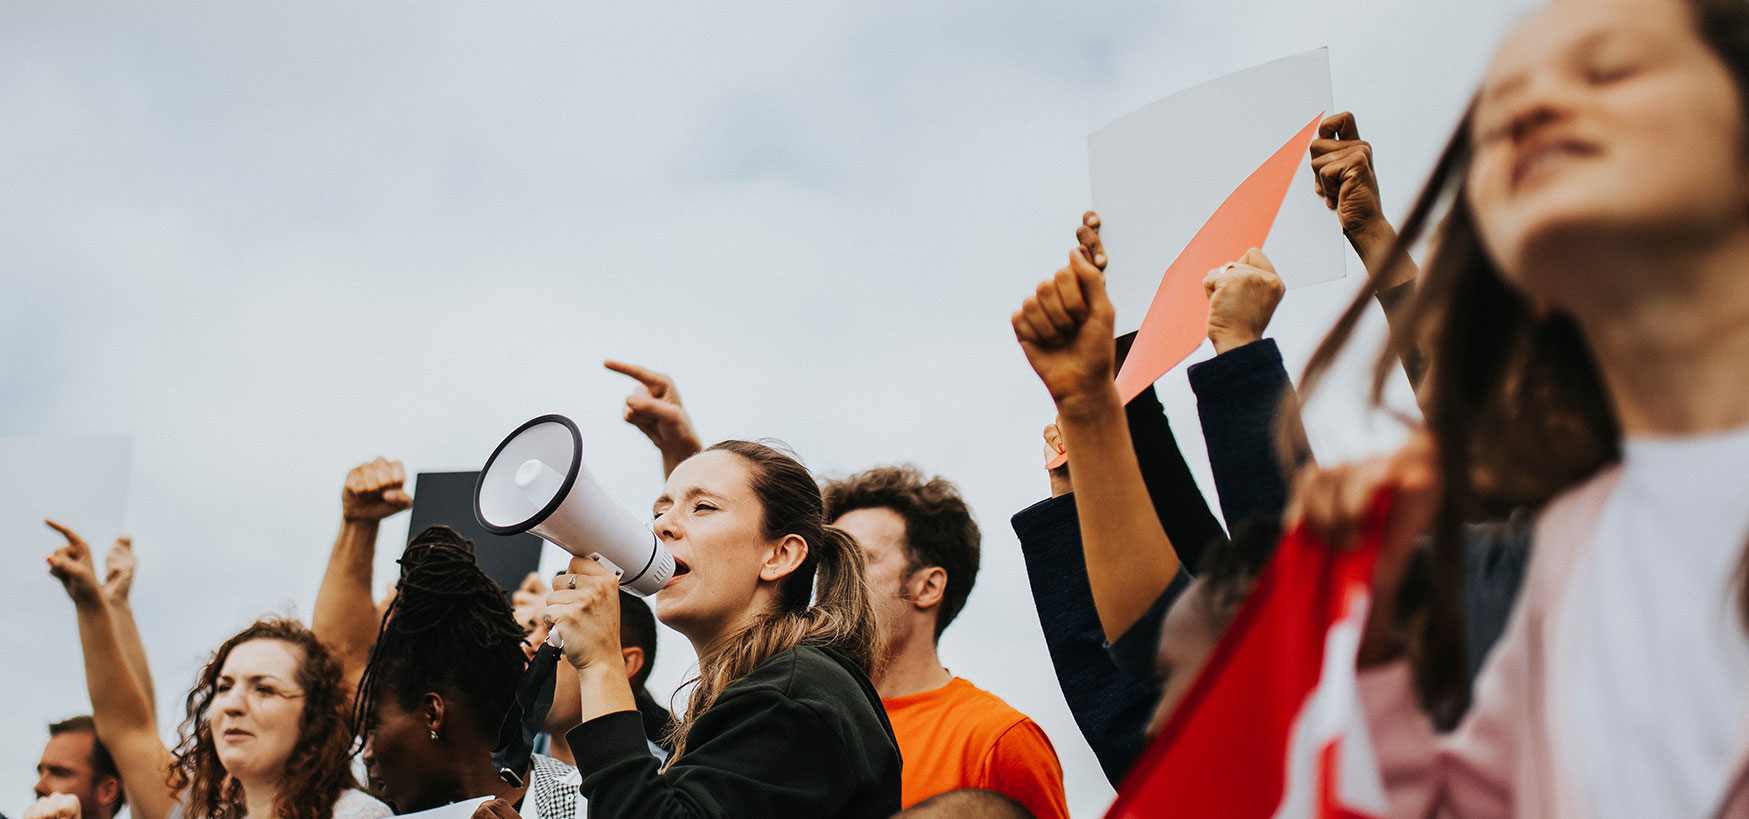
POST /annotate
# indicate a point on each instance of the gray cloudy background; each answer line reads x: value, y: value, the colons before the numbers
x: 272, y: 241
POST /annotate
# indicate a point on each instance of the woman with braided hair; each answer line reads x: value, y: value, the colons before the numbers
x: 783, y: 720
x: 266, y: 735
x: 441, y: 676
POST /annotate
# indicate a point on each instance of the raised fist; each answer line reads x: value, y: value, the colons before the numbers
x: 374, y: 491
x: 1242, y: 298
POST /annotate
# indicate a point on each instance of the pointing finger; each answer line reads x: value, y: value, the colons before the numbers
x: 656, y: 381
x: 71, y: 536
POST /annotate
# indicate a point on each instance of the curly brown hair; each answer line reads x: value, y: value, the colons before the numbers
x: 318, y: 769
x: 939, y: 529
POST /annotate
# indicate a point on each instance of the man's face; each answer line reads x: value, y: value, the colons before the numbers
x: 881, y: 533
x: 66, y: 768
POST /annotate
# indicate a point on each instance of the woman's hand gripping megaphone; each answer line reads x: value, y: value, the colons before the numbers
x: 582, y: 616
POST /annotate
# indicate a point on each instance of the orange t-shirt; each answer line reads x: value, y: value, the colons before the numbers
x: 961, y: 736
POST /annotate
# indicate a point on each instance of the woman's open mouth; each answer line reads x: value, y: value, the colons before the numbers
x: 680, y: 568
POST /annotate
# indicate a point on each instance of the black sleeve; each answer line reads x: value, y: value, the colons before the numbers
x: 1496, y: 557
x: 1239, y: 395
x: 1134, y: 651
x: 1109, y: 706
x: 1178, y: 502
x: 756, y: 753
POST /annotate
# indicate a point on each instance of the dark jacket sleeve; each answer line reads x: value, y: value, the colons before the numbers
x: 1239, y: 396
x: 1109, y: 706
x: 759, y: 751
x: 1178, y: 501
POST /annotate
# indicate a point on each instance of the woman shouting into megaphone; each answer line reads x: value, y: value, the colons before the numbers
x: 783, y: 720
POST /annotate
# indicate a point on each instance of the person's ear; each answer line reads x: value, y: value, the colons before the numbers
x: 785, y: 557
x: 634, y: 660
x: 108, y: 792
x: 431, y: 711
x: 926, y: 587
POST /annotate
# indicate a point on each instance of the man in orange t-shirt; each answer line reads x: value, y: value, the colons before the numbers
x: 921, y: 546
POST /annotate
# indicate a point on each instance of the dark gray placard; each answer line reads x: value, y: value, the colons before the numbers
x: 447, y: 498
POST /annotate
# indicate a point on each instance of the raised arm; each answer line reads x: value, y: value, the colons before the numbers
x: 1243, y: 392
x: 120, y: 709
x: 1065, y: 329
x: 1343, y: 175
x: 654, y: 408
x: 118, y: 582
x: 346, y: 617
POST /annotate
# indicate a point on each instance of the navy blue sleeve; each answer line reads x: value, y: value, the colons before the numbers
x: 1110, y: 707
x: 1178, y: 501
x: 1135, y: 650
x: 1239, y: 396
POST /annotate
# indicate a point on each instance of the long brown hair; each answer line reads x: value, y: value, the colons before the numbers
x: 832, y: 576
x: 1513, y: 395
x: 318, y: 769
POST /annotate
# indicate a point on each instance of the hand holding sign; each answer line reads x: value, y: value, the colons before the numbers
x: 1242, y: 298
x: 1342, y: 164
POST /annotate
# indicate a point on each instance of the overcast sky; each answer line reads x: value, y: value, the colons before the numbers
x: 269, y: 242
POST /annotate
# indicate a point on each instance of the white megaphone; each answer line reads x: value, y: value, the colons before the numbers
x: 536, y: 482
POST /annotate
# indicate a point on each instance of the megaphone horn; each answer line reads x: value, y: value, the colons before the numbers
x: 536, y: 482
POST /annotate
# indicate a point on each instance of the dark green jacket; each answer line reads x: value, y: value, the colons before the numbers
x: 803, y: 735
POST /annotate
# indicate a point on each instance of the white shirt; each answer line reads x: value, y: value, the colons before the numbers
x: 1657, y: 662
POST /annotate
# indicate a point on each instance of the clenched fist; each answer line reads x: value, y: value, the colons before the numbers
x: 1242, y: 299
x: 1065, y: 330
x: 375, y: 491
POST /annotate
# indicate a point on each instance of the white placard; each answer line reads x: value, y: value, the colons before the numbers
x: 1159, y: 173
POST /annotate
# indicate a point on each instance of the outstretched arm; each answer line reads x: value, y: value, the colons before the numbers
x: 118, y: 582
x: 120, y: 708
x: 346, y: 617
x: 1065, y: 329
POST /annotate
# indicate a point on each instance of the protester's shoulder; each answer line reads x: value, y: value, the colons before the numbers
x: 809, y: 678
x: 991, y: 712
x: 798, y: 673
x: 356, y: 804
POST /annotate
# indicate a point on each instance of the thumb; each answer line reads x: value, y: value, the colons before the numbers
x: 1255, y: 258
x: 1092, y: 281
x: 1212, y: 281
x: 60, y: 566
x: 663, y: 410
x: 398, y: 496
